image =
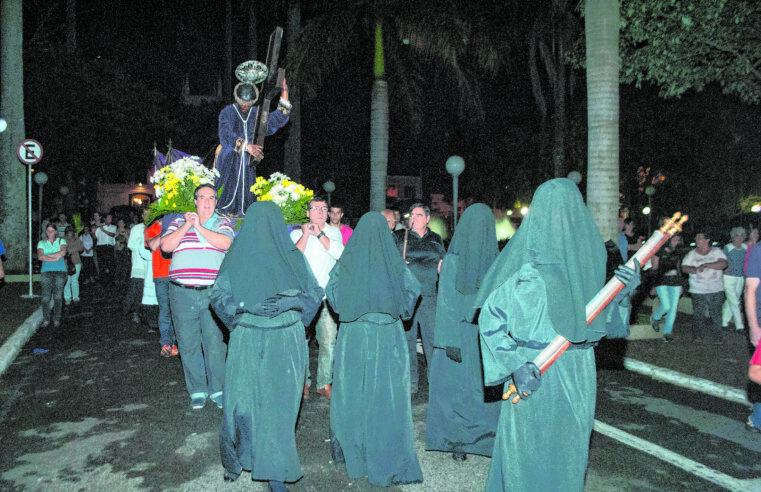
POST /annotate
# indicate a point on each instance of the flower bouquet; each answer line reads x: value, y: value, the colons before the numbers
x: 174, y: 185
x: 291, y: 197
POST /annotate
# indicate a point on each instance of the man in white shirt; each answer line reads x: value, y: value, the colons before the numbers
x: 705, y: 265
x: 105, y: 232
x: 322, y: 245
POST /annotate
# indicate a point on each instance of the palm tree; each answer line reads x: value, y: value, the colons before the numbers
x: 437, y: 31
x: 602, y: 113
x: 13, y: 215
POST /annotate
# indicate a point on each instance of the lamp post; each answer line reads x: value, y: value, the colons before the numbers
x: 455, y: 167
x: 650, y: 191
x: 40, y: 178
x: 329, y: 188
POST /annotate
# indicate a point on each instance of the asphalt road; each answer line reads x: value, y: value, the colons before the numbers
x: 92, y: 406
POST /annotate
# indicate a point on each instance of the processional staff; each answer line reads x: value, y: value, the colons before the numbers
x: 599, y: 302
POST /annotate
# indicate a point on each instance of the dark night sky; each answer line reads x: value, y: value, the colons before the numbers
x: 164, y: 41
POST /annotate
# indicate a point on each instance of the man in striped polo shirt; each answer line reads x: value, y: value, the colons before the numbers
x: 198, y: 242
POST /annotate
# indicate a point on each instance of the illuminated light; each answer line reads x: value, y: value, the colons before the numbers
x: 437, y: 225
x: 646, y: 211
x: 509, y: 212
x: 505, y: 228
x: 756, y: 208
x: 524, y: 211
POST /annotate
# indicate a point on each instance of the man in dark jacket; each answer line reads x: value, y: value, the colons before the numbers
x: 423, y: 251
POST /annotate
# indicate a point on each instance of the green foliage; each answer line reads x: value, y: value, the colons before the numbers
x: 687, y: 45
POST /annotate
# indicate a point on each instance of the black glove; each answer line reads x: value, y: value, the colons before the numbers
x: 454, y: 353
x: 527, y: 379
x: 272, y: 306
x: 631, y: 280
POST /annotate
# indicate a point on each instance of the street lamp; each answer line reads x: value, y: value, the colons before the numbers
x: 650, y: 191
x: 455, y: 167
x: 329, y: 188
x: 40, y: 178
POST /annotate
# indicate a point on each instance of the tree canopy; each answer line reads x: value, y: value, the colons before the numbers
x: 682, y: 45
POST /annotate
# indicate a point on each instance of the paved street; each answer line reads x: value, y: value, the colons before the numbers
x: 91, y: 406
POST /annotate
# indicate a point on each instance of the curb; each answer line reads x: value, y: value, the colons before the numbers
x: 13, y: 345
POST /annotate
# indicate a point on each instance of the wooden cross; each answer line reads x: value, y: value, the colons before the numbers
x: 271, y: 87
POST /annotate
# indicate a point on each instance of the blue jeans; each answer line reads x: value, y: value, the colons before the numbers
x: 755, y: 416
x: 425, y: 318
x: 669, y: 296
x: 713, y: 303
x: 166, y: 328
x: 52, y: 284
x: 200, y: 340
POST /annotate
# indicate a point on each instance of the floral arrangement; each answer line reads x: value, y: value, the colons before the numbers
x: 174, y: 185
x: 291, y: 197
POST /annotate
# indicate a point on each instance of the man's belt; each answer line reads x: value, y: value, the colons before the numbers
x: 191, y: 287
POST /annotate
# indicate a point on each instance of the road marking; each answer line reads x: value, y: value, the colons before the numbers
x: 686, y: 464
x: 686, y: 381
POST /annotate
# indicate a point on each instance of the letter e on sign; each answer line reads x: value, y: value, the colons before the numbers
x: 29, y: 152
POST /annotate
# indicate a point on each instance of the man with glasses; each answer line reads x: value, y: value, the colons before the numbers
x: 322, y: 245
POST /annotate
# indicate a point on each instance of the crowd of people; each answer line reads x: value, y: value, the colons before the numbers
x: 239, y: 309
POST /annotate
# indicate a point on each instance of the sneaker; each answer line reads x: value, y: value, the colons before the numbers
x: 218, y: 398
x: 166, y: 351
x: 76, y: 299
x: 197, y: 401
x: 175, y: 351
x: 750, y: 427
x: 668, y: 337
x: 67, y: 302
x: 656, y: 324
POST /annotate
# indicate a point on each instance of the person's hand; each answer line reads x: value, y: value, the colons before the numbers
x: 631, y: 279
x: 284, y: 92
x: 454, y: 353
x: 527, y: 379
x: 255, y: 151
x: 191, y: 218
x: 312, y: 229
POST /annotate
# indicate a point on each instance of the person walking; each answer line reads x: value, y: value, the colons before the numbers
x: 734, y: 279
x: 460, y: 420
x: 372, y: 290
x: 51, y: 251
x: 74, y: 247
x: 198, y: 242
x: 668, y: 286
x: 264, y: 293
x: 704, y: 265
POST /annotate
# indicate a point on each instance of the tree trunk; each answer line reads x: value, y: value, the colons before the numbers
x: 292, y: 158
x: 602, y: 114
x: 378, y: 145
x: 14, y: 220
x: 252, y: 31
x: 378, y: 128
x: 227, y: 75
x: 71, y: 27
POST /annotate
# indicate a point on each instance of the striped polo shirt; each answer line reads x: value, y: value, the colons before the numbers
x: 195, y: 261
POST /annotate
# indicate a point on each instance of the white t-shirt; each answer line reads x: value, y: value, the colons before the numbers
x: 322, y: 260
x: 709, y: 280
x: 103, y: 238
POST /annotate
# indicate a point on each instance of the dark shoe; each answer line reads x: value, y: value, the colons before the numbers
x: 668, y: 337
x: 44, y: 324
x: 231, y: 477
x: 326, y: 391
x: 459, y: 456
x: 656, y: 324
x: 750, y: 427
